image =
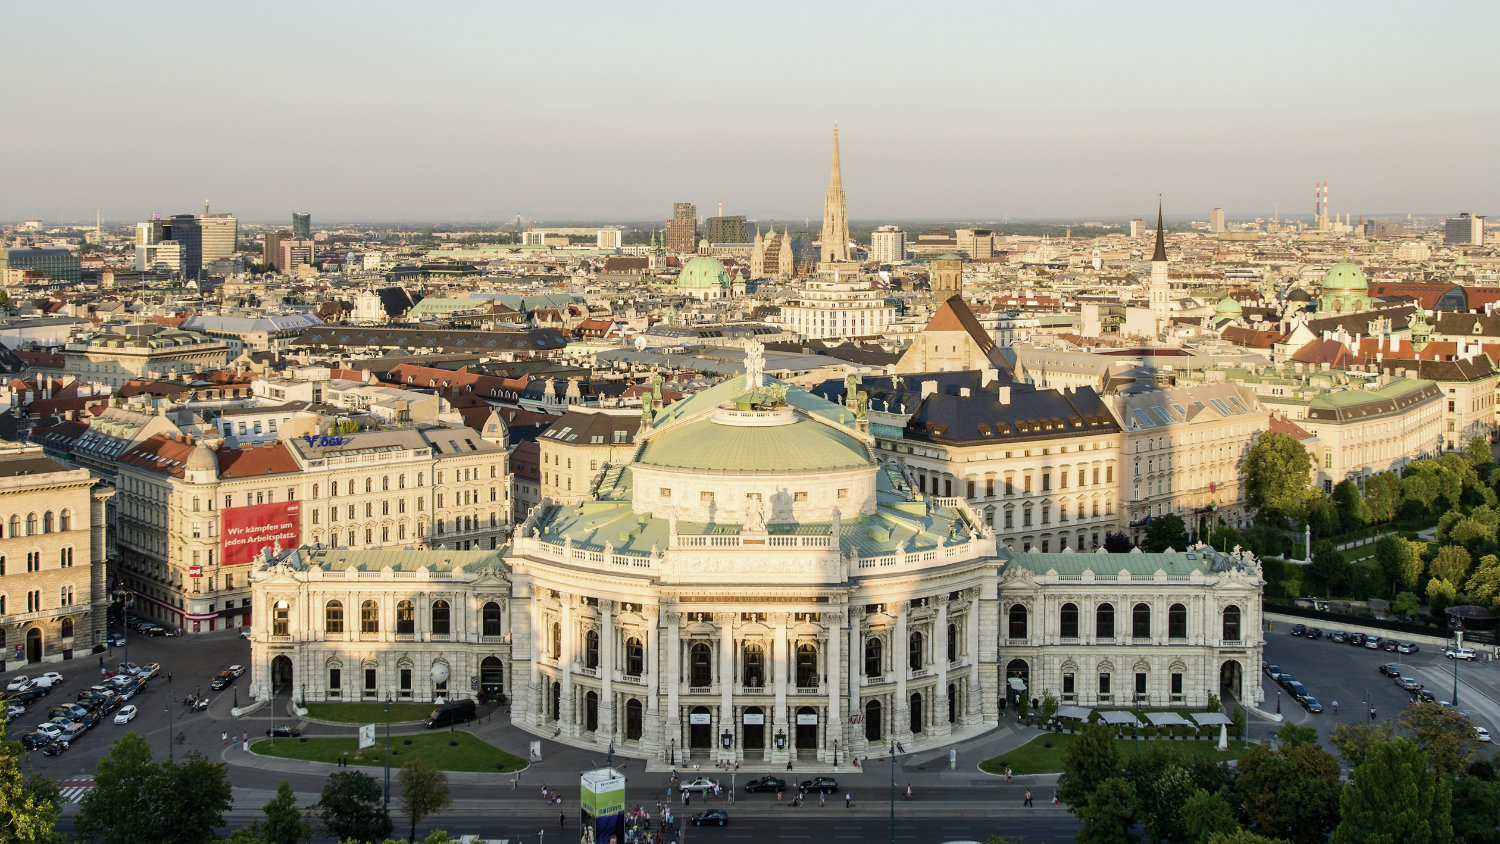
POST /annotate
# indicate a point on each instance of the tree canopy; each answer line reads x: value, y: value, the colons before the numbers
x: 1165, y: 531
x: 352, y: 809
x: 1278, y: 474
x: 1394, y: 797
x: 28, y: 808
x: 424, y: 791
x: 134, y: 799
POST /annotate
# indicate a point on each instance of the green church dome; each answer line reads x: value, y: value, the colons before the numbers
x: 725, y: 444
x: 703, y: 272
x: 1227, y: 307
x: 1345, y: 276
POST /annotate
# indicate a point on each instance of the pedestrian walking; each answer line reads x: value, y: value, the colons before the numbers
x: 788, y: 764
x: 224, y: 737
x: 169, y: 676
x: 1054, y: 797
x: 821, y: 803
x: 1335, y: 707
x: 1007, y: 774
x: 101, y: 661
x: 562, y: 820
x: 1372, y: 713
x: 908, y: 791
x: 234, y: 742
x: 848, y: 801
x: 1028, y: 798
x: 244, y: 739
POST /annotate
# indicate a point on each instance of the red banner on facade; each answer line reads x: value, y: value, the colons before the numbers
x: 249, y: 530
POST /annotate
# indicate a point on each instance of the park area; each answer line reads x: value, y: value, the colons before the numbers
x: 445, y: 751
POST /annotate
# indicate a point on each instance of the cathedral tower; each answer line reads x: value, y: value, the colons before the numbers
x: 1160, y: 289
x: 835, y: 246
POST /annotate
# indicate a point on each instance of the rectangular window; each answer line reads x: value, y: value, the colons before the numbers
x: 335, y: 679
x: 369, y: 681
x: 665, y: 492
x: 1026, y: 485
x: 1046, y: 481
x: 989, y: 488
x: 799, y: 496
x: 1177, y: 683
x: 1067, y: 684
x: 706, y: 497
x: 1140, y: 682
x: 1103, y: 685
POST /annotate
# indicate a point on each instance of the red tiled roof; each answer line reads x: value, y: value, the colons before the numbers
x: 272, y: 459
x: 1282, y: 425
x: 159, y: 454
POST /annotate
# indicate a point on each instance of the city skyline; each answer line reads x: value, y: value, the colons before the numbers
x: 1022, y: 113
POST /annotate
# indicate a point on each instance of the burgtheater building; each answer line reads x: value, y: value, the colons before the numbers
x: 755, y: 584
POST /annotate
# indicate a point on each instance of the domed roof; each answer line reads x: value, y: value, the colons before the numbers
x: 201, y: 458
x: 1228, y: 307
x: 701, y: 272
x: 1345, y: 276
x: 718, y: 443
x: 1298, y: 295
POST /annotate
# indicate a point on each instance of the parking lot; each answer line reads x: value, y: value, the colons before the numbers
x: 1351, y: 675
x: 191, y: 664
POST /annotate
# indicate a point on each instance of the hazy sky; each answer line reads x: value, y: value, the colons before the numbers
x: 459, y: 111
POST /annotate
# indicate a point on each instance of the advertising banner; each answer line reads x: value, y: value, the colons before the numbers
x: 246, y: 531
x: 603, y: 791
x: 366, y: 736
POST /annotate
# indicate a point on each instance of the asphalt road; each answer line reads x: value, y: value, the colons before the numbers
x: 1351, y: 675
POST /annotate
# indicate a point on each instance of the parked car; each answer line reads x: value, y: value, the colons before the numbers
x: 150, y: 670
x: 237, y: 670
x: 1408, y: 684
x: 1372, y: 642
x: 90, y: 720
x: 48, y: 680
x: 51, y: 729
x: 126, y: 714
x: 72, y: 732
x: 244, y: 633
x: 1388, y: 645
x: 1297, y: 690
x: 283, y: 731
x: 824, y: 785
x: 767, y: 783
x: 55, y: 748
x: 129, y: 668
x: 1356, y: 639
x: 1460, y: 653
x: 1286, y: 679
x: 1339, y: 636
x: 701, y: 784
x: 1313, y: 633
x: 1407, y: 648
x: 1310, y: 703
x: 31, y: 695
x: 34, y: 740
x: 1482, y: 734
x: 115, y: 639
x: 1390, y: 670
x: 221, y: 680
x: 1299, y: 629
x: 157, y: 630
x: 18, y: 683
x: 1425, y: 695
x: 1272, y: 671
x: 717, y: 817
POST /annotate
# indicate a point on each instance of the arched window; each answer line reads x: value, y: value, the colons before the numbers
x: 493, y: 619
x: 914, y: 651
x: 591, y: 648
x: 1231, y: 623
x: 1104, y: 621
x: 916, y: 713
x: 633, y: 720
x: 281, y: 619
x: 807, y: 665
x: 1177, y: 622
x: 1067, y: 620
x: 15, y: 526
x: 753, y: 673
x: 1017, y: 622
x: 442, y: 618
x: 31, y: 524
x: 65, y: 520
x: 67, y: 627
x: 952, y: 642
x: 385, y: 483
x: 333, y: 617
x: 872, y: 721
x: 635, y: 658
x: 369, y: 617
x: 406, y: 618
x: 873, y: 667
x: 1140, y: 621
x: 47, y: 522
x: 557, y: 640
x: 700, y: 665
x: 591, y: 711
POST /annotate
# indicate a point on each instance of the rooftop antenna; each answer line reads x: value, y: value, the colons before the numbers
x: 205, y: 208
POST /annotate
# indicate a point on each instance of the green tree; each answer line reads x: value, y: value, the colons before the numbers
x: 1243, y: 836
x: 124, y: 805
x: 1293, y: 735
x: 1350, y: 506
x: 351, y: 808
x: 1476, y: 811
x: 1291, y: 792
x: 1395, y: 797
x: 1382, y: 496
x: 1440, y: 594
x: 28, y: 808
x: 1049, y: 707
x: 1162, y: 784
x: 1205, y: 815
x: 1406, y: 604
x: 1087, y: 762
x: 1107, y: 815
x: 284, y: 823
x: 1328, y: 565
x: 1117, y: 543
x: 1278, y: 472
x: 424, y: 791
x: 1451, y: 564
x: 1165, y: 531
x: 1484, y: 585
x: 1477, y: 452
x: 1321, y: 516
x: 1226, y: 537
x: 1352, y: 739
x: 1445, y: 737
x: 195, y: 797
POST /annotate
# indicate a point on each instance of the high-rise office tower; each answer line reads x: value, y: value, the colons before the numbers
x: 204, y: 238
x: 682, y: 229
x: 835, y: 242
x: 734, y: 229
x: 607, y: 238
x: 220, y: 234
x: 888, y: 245
x: 1137, y: 227
x: 1464, y: 230
x: 302, y: 226
x: 1216, y: 221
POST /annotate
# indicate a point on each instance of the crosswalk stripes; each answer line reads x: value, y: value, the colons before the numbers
x: 73, y: 790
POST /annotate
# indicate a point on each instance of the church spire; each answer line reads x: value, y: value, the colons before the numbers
x: 1161, y: 236
x: 834, y: 245
x: 835, y: 179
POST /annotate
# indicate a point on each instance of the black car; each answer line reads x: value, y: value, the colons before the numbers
x: 1313, y: 633
x: 28, y: 696
x: 714, y: 817
x: 90, y: 719
x: 824, y: 785
x: 220, y: 680
x: 55, y: 748
x: 35, y: 740
x: 1390, y: 670
x: 1388, y: 645
x: 1286, y: 680
x: 283, y: 731
x: 1356, y: 639
x: 1425, y: 695
x: 1310, y: 703
x: 765, y: 784
x: 1272, y: 671
x: 1339, y: 636
x: 1299, y: 629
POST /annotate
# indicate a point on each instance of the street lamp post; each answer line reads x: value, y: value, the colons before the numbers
x: 1278, y: 701
x: 389, y: 699
x: 893, y: 791
x: 171, y: 752
x: 1458, y: 644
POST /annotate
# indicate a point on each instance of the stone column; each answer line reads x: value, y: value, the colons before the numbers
x: 939, y: 719
x: 651, y: 733
x: 834, y: 669
x: 534, y: 690
x: 856, y: 659
x: 673, y: 680
x: 725, y: 622
x: 976, y: 688
x: 779, y: 678
x: 567, y: 718
x: 900, y: 661
x: 608, y: 641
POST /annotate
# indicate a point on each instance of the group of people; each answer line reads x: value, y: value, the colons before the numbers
x: 638, y: 825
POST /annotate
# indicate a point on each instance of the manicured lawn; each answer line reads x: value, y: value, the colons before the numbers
x: 469, y: 754
x: 1035, y: 757
x: 368, y: 713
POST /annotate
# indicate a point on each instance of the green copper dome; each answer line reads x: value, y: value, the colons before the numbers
x: 799, y: 445
x: 1345, y: 276
x: 1227, y: 307
x: 703, y: 272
